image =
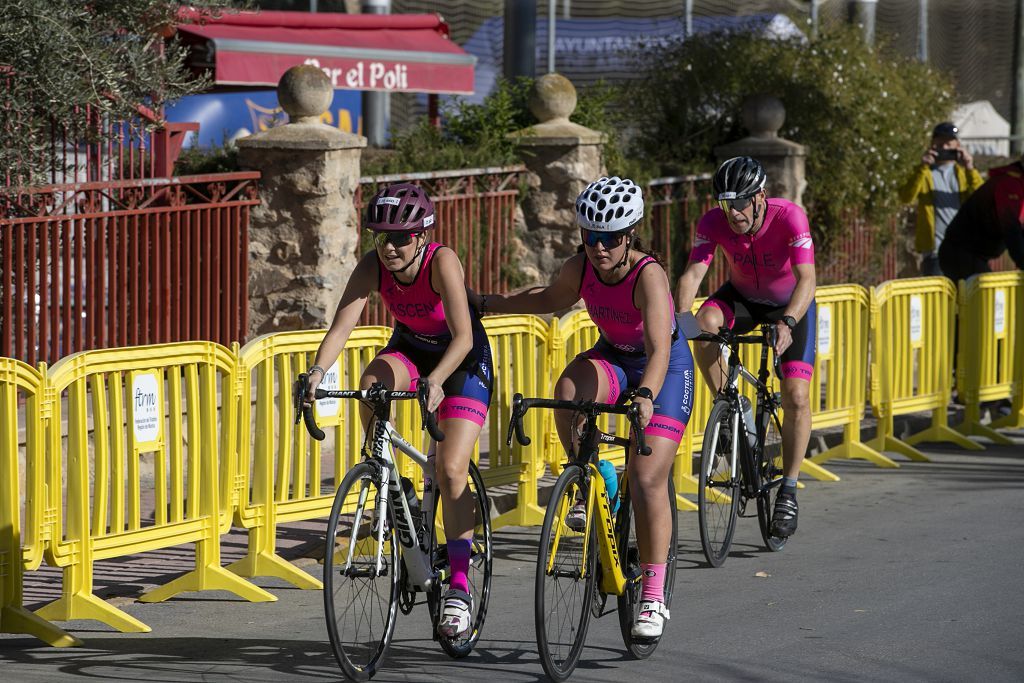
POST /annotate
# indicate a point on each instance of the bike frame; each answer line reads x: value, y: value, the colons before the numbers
x: 763, y: 410
x: 613, y: 581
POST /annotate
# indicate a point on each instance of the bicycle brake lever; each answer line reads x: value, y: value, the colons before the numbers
x: 429, y: 418
x: 515, y: 423
x: 634, y: 419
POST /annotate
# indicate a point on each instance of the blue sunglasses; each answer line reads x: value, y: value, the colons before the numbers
x: 610, y: 240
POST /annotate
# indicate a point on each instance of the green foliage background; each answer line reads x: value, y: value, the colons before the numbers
x: 865, y: 115
x: 61, y: 55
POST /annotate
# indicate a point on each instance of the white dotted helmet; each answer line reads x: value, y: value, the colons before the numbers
x: 610, y: 205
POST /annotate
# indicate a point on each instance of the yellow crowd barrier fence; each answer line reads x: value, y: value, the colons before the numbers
x: 280, y: 469
x: 838, y: 386
x: 912, y: 361
x: 157, y: 403
x: 520, y: 346
x: 24, y: 526
x: 990, y: 357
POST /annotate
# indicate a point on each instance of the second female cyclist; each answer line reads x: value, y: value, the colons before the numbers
x: 627, y: 295
x: 437, y: 340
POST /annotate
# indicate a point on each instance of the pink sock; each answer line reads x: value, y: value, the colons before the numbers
x: 653, y: 580
x: 458, y: 560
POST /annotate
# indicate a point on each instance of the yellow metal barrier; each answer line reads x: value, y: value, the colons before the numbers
x: 990, y: 359
x: 157, y: 402
x: 281, y: 470
x: 522, y: 363
x: 838, y: 386
x: 912, y: 360
x: 23, y: 525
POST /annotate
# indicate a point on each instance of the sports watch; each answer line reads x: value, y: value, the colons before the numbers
x: 789, y: 320
x: 644, y: 392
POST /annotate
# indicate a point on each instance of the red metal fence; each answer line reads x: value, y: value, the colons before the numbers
x: 124, y: 263
x: 475, y: 211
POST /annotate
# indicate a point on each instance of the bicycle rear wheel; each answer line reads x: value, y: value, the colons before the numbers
x: 479, y: 567
x: 629, y: 601
x: 361, y: 576
x: 564, y: 586
x: 768, y: 471
x: 718, y: 491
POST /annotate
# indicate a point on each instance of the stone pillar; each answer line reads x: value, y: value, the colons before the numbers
x: 783, y: 160
x: 561, y: 159
x: 302, y: 236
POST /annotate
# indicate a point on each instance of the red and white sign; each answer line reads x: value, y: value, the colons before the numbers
x: 395, y: 53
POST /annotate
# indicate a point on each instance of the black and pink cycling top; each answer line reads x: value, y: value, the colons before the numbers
x: 416, y: 306
x: 612, y: 307
x: 761, y: 267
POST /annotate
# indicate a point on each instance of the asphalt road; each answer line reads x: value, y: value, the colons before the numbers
x: 915, y: 574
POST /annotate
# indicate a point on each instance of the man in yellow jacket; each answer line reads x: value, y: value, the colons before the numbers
x: 941, y: 184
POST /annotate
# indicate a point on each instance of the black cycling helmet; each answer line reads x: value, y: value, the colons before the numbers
x: 739, y: 178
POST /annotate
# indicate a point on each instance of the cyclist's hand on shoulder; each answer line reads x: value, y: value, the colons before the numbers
x: 435, y: 394
x: 783, y: 338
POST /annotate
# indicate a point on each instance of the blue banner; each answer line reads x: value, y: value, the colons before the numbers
x: 226, y: 116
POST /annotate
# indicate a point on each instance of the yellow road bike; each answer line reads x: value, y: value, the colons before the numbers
x: 578, y: 569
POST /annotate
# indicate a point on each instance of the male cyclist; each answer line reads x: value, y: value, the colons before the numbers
x: 767, y: 244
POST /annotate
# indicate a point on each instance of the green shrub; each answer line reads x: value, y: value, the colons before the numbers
x: 200, y: 161
x: 864, y: 115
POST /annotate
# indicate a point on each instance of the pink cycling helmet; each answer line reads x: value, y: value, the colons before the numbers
x: 402, y: 207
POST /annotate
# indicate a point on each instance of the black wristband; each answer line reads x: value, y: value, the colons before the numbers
x: 644, y: 392
x: 789, y: 321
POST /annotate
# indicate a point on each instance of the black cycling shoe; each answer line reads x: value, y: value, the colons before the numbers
x: 784, y: 516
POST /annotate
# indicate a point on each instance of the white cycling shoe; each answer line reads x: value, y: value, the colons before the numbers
x: 576, y: 518
x: 651, y: 621
x: 456, y: 611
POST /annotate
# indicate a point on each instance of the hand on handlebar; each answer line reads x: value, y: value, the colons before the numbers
x: 645, y: 407
x: 435, y: 394
x: 783, y: 338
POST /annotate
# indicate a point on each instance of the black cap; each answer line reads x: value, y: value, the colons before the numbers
x: 946, y: 129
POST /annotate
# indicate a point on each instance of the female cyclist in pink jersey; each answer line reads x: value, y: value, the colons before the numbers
x: 437, y: 340
x: 640, y: 356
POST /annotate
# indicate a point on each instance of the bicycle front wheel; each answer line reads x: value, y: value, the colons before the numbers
x: 564, y: 588
x: 629, y: 553
x: 479, y: 566
x: 718, y: 491
x: 768, y: 471
x: 361, y: 574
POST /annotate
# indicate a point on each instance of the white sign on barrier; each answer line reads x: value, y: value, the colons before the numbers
x: 147, y: 408
x: 825, y: 329
x: 1000, y: 311
x: 916, y: 318
x: 328, y: 407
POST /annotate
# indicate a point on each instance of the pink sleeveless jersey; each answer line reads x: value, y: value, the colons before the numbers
x: 761, y: 267
x: 612, y: 309
x: 416, y: 305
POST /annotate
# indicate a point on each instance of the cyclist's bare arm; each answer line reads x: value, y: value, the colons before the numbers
x: 803, y: 293
x: 559, y: 295
x: 449, y: 281
x: 652, y: 298
x: 688, y: 284
x: 360, y: 284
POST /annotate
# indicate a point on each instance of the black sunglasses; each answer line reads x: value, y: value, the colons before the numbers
x: 399, y: 239
x: 610, y: 240
x: 736, y: 204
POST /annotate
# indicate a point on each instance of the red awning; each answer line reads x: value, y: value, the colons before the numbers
x: 390, y: 52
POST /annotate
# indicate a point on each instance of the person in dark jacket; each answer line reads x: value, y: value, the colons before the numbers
x: 989, y: 223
